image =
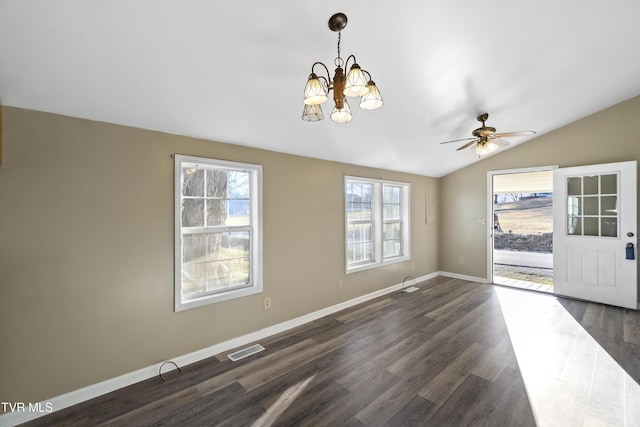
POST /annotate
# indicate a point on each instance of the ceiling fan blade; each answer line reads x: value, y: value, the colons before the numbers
x: 459, y: 140
x: 500, y: 142
x: 519, y: 133
x: 468, y: 144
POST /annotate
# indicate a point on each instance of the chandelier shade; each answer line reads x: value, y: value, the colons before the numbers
x: 342, y: 115
x: 372, y: 99
x: 312, y: 113
x: 314, y: 91
x: 356, y: 83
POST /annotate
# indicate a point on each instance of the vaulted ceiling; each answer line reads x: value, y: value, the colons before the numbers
x: 235, y: 71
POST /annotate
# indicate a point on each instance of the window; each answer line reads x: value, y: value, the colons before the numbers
x: 377, y: 222
x: 592, y: 203
x: 218, y: 238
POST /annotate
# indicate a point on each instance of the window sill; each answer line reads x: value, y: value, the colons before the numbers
x: 212, y: 299
x: 377, y: 264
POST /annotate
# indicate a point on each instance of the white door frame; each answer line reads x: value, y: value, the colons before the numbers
x: 489, y: 220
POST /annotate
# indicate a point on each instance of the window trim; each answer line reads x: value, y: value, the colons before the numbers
x: 255, y: 252
x: 378, y: 224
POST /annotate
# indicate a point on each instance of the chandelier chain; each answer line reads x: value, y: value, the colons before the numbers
x: 338, y: 61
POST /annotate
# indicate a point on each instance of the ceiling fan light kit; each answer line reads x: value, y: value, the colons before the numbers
x: 354, y: 84
x: 486, y: 139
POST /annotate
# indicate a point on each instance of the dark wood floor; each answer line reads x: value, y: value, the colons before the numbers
x: 442, y: 355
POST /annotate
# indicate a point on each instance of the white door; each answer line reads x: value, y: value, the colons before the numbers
x: 594, y: 218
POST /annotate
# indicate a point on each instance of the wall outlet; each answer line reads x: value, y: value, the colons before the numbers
x: 412, y: 265
x: 481, y: 221
x: 340, y: 283
x: 460, y: 260
x: 267, y: 303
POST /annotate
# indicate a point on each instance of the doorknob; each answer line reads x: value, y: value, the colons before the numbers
x: 629, y: 234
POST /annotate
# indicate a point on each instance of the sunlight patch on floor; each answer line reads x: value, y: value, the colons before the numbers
x: 281, y: 405
x: 570, y: 379
x: 522, y: 284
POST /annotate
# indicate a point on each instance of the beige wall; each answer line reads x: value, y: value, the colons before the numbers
x: 611, y: 135
x: 86, y: 250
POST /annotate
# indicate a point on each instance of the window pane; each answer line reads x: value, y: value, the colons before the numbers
x: 360, y: 252
x: 609, y: 227
x: 609, y: 205
x: 591, y: 184
x: 591, y: 205
x: 591, y: 227
x: 354, y: 212
x: 391, y: 248
x: 574, y: 186
x: 240, y: 270
x: 392, y: 231
x: 217, y: 183
x: 239, y: 244
x: 227, y: 265
x: 239, y: 212
x: 238, y: 185
x: 192, y: 182
x: 391, y: 194
x: 218, y: 275
x: 609, y: 184
x: 216, y: 212
x: 193, y: 247
x: 366, y: 192
x: 193, y: 213
x: 357, y: 211
x: 574, y: 226
x: 359, y: 233
x: 366, y: 211
x: 574, y: 205
x: 193, y: 278
x: 217, y: 246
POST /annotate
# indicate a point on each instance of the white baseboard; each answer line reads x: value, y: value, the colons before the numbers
x: 462, y: 277
x: 86, y: 393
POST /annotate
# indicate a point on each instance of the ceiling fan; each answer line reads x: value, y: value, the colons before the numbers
x: 486, y: 138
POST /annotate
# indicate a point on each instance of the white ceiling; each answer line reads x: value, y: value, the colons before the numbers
x: 235, y: 71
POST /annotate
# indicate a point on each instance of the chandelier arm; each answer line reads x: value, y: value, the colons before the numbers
x: 346, y: 63
x: 328, y: 79
x: 367, y: 73
x: 326, y: 83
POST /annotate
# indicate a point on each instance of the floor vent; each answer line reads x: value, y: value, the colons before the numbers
x: 245, y: 352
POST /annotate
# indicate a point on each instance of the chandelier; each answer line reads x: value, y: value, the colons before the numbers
x: 355, y: 84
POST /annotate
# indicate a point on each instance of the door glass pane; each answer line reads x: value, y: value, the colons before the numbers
x: 609, y: 184
x: 574, y: 186
x: 591, y: 205
x: 574, y: 226
x: 574, y: 206
x: 609, y: 227
x: 591, y: 184
x: 591, y: 227
x: 609, y: 205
